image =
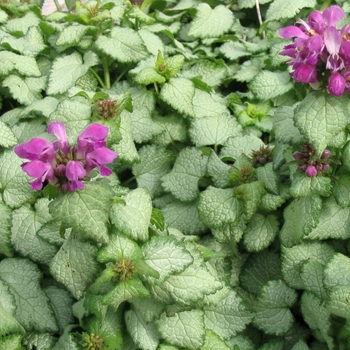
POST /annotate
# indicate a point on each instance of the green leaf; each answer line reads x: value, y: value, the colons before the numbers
x: 213, y: 130
x: 25, y: 90
x: 5, y: 231
x: 144, y: 334
x: 208, y: 104
x: 191, y: 285
x: 169, y: 67
x: 317, y: 317
x: 183, y: 216
x: 233, y: 50
x: 22, y: 23
x: 337, y: 271
x: 155, y: 162
x: 86, y: 211
x: 109, y: 328
x: 122, y: 44
x: 213, y: 341
x: 72, y: 34
x: 29, y: 45
x: 119, y: 248
x: 227, y: 317
x: 75, y: 265
x: 261, y: 231
x: 272, y: 308
x: 312, y: 274
x: 144, y: 128
x: 294, y: 258
x: 22, y: 65
x: 33, y: 310
x: 7, y: 137
x: 320, y: 117
x: 67, y: 69
x: 211, y: 72
x: 251, y: 194
x: 174, y: 129
x: 184, y: 329
x: 166, y: 255
x: 304, y: 186
x: 8, y: 324
x: 133, y: 217
x: 338, y: 301
x: 13, y: 180
x: 235, y: 146
x: 280, y: 9
x: 341, y: 190
x: 218, y: 207
x: 334, y: 222
x: 149, y: 308
x: 283, y: 126
x: 152, y: 41
x: 149, y: 75
x: 124, y: 291
x: 267, y: 174
x: 178, y: 93
x: 210, y: 23
x: 61, y: 302
x: 75, y: 115
x: 268, y: 85
x: 126, y: 149
x: 218, y: 171
x: 259, y: 269
x: 11, y: 342
x: 182, y: 182
x: 25, y: 225
x: 307, y: 210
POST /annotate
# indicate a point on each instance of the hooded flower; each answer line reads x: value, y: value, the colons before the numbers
x: 320, y: 52
x: 62, y: 165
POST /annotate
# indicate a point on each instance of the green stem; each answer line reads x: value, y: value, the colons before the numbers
x: 98, y: 78
x: 156, y: 88
x: 106, y: 73
x: 145, y: 4
x: 58, y: 6
x: 325, y: 5
x: 122, y: 74
x: 128, y: 181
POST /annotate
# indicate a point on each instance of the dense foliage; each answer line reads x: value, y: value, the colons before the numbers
x: 224, y: 221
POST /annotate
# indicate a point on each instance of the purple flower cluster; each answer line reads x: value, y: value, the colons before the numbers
x: 320, y: 52
x: 310, y: 166
x: 63, y: 165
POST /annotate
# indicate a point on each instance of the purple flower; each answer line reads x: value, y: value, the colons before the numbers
x: 63, y: 165
x: 319, y: 46
x: 336, y: 84
x: 311, y: 171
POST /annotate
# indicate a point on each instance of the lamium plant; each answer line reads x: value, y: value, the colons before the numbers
x: 175, y: 175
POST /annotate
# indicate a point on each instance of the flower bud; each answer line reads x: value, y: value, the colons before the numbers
x: 311, y: 171
x: 326, y: 154
x: 262, y: 160
x: 325, y: 167
x: 297, y: 155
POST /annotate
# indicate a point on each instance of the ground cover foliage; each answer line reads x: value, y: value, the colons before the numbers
x: 225, y: 223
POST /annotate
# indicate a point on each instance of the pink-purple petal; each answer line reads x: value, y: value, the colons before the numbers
x: 36, y: 148
x: 332, y: 15
x: 59, y: 130
x: 336, y: 84
x: 332, y: 40
x: 292, y: 32
x: 75, y: 170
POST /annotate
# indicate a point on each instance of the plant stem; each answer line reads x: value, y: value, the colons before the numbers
x: 58, y: 6
x: 122, y: 73
x: 325, y: 5
x: 145, y: 4
x: 259, y: 16
x: 156, y: 88
x: 128, y: 181
x: 106, y: 73
x: 97, y: 77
